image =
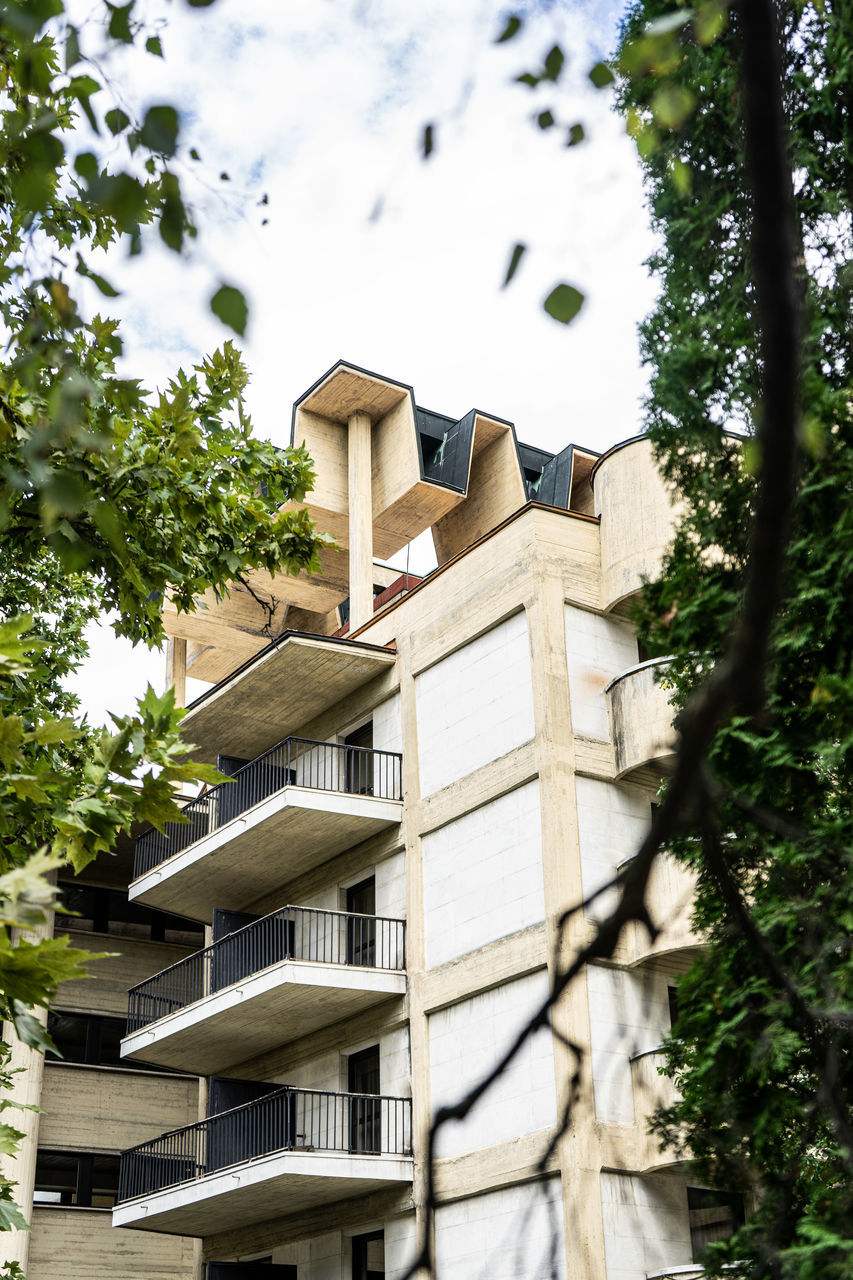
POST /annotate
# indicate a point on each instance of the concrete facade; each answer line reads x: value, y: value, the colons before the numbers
x: 492, y: 678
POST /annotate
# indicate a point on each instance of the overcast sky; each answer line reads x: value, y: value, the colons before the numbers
x: 365, y: 252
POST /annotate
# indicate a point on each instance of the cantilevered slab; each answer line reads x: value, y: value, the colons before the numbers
x: 274, y: 695
x: 260, y: 1012
x: 285, y: 835
x: 260, y: 1189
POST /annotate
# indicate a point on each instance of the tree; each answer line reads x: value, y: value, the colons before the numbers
x: 109, y: 497
x: 762, y: 1047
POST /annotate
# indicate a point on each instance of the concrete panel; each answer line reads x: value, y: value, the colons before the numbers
x: 598, y: 649
x: 80, y: 1244
x: 629, y: 1014
x: 613, y: 820
x: 475, y: 705
x: 512, y: 1234
x: 466, y: 1040
x: 483, y: 876
x: 646, y: 1227
x: 87, y: 1109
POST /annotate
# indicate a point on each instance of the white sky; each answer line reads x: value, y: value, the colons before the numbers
x: 320, y: 106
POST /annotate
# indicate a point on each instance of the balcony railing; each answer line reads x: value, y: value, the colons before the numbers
x: 295, y: 762
x: 291, y: 933
x: 286, y: 1120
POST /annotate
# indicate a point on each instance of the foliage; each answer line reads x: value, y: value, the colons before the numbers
x: 763, y: 1051
x: 110, y: 498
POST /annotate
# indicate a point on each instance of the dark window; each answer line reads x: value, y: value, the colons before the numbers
x: 97, y: 909
x: 714, y: 1215
x: 76, y: 1178
x: 361, y: 933
x: 672, y: 995
x: 365, y: 1112
x: 91, y: 1038
x: 257, y: 1269
x: 368, y: 1256
x: 359, y: 762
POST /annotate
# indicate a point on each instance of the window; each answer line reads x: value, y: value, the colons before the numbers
x: 368, y: 1256
x: 714, y: 1215
x: 76, y: 1178
x: 359, y: 760
x: 361, y: 930
x: 97, y: 909
x: 366, y: 1111
x: 90, y: 1038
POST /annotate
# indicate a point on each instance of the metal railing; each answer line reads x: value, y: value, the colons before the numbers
x: 286, y: 1120
x: 295, y: 762
x: 291, y: 933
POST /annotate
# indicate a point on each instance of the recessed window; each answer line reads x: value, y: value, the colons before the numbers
x: 714, y: 1215
x: 76, y: 1179
x: 368, y: 1256
x: 97, y: 909
x: 90, y: 1038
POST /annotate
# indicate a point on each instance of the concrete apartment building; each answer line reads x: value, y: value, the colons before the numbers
x: 426, y: 773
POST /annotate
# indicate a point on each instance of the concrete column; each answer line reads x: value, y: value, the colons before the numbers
x: 26, y: 1089
x: 176, y: 669
x: 360, y: 521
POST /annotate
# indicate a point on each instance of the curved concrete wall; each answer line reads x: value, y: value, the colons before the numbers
x: 637, y: 519
x: 651, y: 1092
x: 669, y: 898
x: 641, y: 718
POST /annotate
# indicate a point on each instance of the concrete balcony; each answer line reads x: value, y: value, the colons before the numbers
x: 288, y: 684
x: 641, y: 719
x: 651, y: 1092
x: 669, y: 897
x: 298, y: 1148
x: 277, y: 979
x: 638, y: 519
x: 287, y: 811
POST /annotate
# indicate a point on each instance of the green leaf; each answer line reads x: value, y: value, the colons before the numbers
x: 229, y: 305
x: 575, y: 135
x: 514, y: 24
x: 672, y: 104
x: 601, y: 75
x: 29, y: 1029
x: 518, y: 252
x: 153, y: 45
x: 545, y: 119
x: 116, y: 120
x: 10, y: 1139
x: 160, y: 128
x: 563, y: 303
x: 11, y: 1218
x: 119, y: 23
x: 555, y: 60
x: 72, y: 47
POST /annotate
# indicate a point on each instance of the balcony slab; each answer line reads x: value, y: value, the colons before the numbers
x: 260, y: 1189
x: 282, y: 837
x: 290, y: 999
x: 272, y: 695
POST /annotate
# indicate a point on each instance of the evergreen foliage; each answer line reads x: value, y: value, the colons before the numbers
x: 762, y: 1049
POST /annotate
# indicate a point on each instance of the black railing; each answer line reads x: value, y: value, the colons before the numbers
x: 291, y: 933
x: 287, y: 1120
x: 296, y: 762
